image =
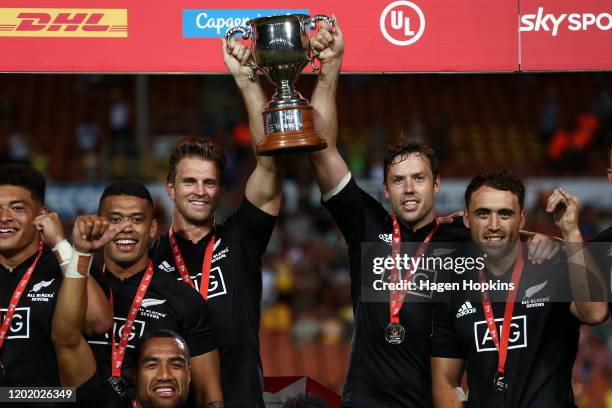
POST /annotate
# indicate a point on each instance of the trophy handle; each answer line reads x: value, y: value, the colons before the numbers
x: 246, y: 34
x: 312, y: 24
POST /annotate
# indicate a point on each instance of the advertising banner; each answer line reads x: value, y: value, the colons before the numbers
x: 381, y: 35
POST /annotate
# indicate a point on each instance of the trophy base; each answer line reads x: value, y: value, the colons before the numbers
x: 289, y: 130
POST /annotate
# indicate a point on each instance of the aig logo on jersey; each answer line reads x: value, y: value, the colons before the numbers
x: 216, y: 283
x: 516, y: 339
x: 20, y: 326
x: 118, y: 326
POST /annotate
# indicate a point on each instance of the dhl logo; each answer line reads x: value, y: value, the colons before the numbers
x: 45, y: 22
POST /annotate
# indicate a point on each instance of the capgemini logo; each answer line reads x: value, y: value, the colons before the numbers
x: 402, y: 23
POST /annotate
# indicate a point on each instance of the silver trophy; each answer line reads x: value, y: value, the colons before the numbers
x: 281, y: 50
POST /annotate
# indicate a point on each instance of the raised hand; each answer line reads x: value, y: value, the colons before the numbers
x: 92, y: 232
x: 50, y: 227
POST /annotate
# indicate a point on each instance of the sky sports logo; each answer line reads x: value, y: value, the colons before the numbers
x: 214, y: 23
x: 549, y: 22
x: 54, y: 22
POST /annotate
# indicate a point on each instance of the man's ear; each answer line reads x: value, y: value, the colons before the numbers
x: 170, y: 190
x: 466, y: 219
x: 437, y: 184
x: 523, y: 218
x: 153, y: 229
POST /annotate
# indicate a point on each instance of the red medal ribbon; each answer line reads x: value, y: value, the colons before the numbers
x: 206, y: 263
x: 397, y: 296
x: 8, y: 317
x: 119, y: 352
x: 502, y: 349
x: 134, y: 404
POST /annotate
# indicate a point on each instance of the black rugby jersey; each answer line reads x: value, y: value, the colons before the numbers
x: 28, y: 354
x: 166, y: 305
x: 96, y: 392
x: 234, y: 293
x: 543, y: 339
x: 382, y: 374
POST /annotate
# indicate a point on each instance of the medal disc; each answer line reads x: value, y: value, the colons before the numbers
x: 395, y: 333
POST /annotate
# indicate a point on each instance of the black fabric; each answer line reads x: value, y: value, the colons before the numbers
x: 97, y: 393
x: 234, y: 293
x: 166, y: 305
x: 381, y: 374
x: 603, y: 255
x: 28, y: 354
x: 542, y: 346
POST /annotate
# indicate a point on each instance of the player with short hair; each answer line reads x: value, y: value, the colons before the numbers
x: 224, y: 258
x: 518, y: 339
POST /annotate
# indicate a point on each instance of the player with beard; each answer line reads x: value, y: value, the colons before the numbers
x: 162, y: 372
x: 146, y: 300
x: 223, y: 261
x: 519, y: 344
x: 390, y: 355
x: 32, y: 246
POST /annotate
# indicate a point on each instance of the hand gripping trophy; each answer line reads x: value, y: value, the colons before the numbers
x: 281, y: 49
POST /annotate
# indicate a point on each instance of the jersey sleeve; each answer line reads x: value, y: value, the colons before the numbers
x: 443, y: 337
x: 255, y: 226
x: 346, y: 208
x: 196, y: 325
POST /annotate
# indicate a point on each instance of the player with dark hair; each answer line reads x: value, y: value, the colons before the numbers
x: 32, y: 248
x: 145, y: 299
x: 519, y: 341
x: 390, y: 355
x: 162, y: 369
x: 223, y: 260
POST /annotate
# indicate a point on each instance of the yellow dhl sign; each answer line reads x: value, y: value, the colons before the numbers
x: 54, y: 22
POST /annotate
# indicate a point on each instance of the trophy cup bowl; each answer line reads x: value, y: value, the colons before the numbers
x: 281, y: 49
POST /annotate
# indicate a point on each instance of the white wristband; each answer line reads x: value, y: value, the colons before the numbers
x: 64, y: 252
x: 72, y: 271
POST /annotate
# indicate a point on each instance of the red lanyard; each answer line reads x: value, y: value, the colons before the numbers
x: 134, y: 404
x: 502, y: 348
x: 119, y: 352
x: 180, y: 263
x: 397, y: 296
x: 8, y: 317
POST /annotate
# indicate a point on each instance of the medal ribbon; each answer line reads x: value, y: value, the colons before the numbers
x: 8, y: 317
x: 502, y: 349
x: 119, y: 352
x: 206, y: 263
x: 397, y: 296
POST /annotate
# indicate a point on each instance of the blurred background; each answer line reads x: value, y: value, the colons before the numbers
x: 85, y: 130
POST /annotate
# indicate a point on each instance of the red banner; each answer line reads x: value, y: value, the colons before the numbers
x: 566, y: 35
x: 381, y: 35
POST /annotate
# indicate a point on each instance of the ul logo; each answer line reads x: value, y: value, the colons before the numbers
x: 402, y: 23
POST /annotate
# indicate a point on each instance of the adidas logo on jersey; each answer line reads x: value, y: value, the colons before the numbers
x: 385, y: 238
x: 165, y: 266
x: 465, y: 309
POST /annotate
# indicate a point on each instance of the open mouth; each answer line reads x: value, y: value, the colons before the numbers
x: 125, y: 244
x: 7, y: 232
x: 198, y: 204
x: 410, y: 205
x: 164, y: 391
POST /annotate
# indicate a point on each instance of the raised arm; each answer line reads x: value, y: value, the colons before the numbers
x: 263, y: 188
x: 582, y: 268
x: 329, y: 166
x: 98, y: 313
x: 75, y: 359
